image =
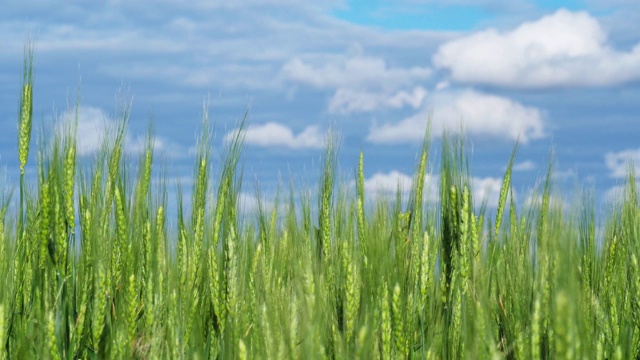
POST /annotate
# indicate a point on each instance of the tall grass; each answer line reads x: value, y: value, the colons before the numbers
x: 368, y: 278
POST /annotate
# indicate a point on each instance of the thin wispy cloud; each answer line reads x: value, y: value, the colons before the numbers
x: 350, y: 71
x: 527, y: 165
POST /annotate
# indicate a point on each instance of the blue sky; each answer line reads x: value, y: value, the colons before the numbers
x: 562, y: 76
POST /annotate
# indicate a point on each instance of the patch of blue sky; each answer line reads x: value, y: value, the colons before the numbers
x: 416, y: 17
x: 595, y: 8
x: 439, y: 17
x: 573, y: 5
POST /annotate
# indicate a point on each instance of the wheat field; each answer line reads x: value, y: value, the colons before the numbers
x: 91, y: 268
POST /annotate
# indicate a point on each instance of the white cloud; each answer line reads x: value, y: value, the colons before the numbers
x: 564, y: 175
x: 249, y: 203
x: 388, y: 182
x: 614, y: 194
x: 346, y: 101
x: 478, y: 113
x: 443, y: 85
x: 360, y: 83
x: 487, y: 188
x: 562, y: 49
x: 330, y: 72
x: 617, y: 194
x: 618, y: 162
x: 92, y: 127
x: 273, y: 134
x: 527, y: 165
x: 95, y: 126
x: 534, y: 200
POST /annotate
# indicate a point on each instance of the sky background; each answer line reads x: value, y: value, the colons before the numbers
x: 561, y: 76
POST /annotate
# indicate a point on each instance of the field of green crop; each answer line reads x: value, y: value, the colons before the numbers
x: 90, y: 267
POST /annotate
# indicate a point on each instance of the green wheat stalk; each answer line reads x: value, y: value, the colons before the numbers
x: 504, y: 188
x: 360, y: 209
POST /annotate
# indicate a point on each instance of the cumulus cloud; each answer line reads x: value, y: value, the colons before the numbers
x: 381, y: 183
x: 534, y: 200
x: 273, y: 134
x: 250, y: 204
x: 94, y: 126
x: 486, y: 189
x: 388, y: 182
x: 619, y: 162
x: 360, y: 83
x: 93, y: 123
x: 346, y: 101
x: 477, y: 113
x: 562, y: 49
